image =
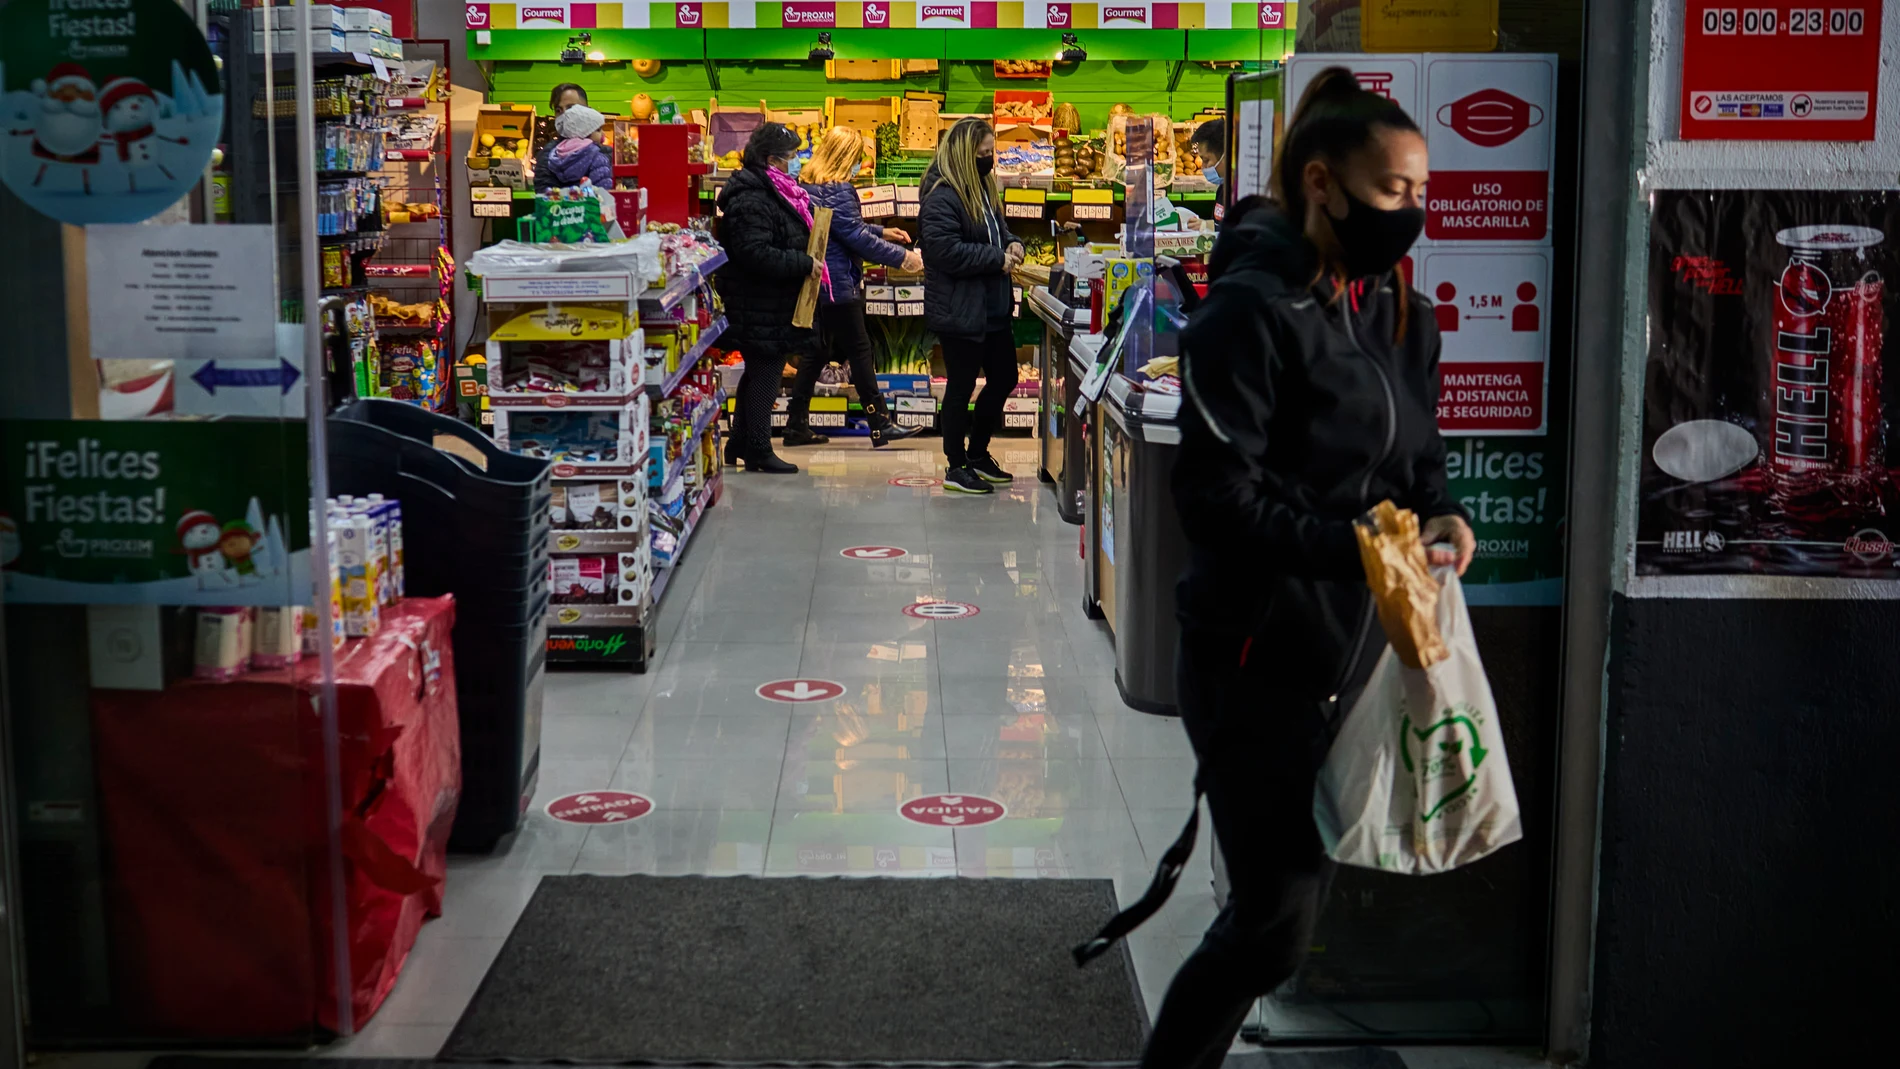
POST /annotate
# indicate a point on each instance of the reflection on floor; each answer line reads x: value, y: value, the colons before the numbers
x: 1016, y: 704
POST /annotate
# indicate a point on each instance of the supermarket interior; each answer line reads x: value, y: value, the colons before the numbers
x: 341, y: 785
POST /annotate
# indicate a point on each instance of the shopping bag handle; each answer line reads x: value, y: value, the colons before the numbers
x: 1167, y: 874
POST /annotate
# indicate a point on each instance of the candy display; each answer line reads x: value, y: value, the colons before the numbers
x: 569, y: 437
x: 583, y: 580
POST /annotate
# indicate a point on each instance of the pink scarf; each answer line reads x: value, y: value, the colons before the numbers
x: 800, y: 201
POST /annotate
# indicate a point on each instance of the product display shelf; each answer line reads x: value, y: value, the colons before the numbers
x: 702, y: 421
x: 690, y: 359
x: 681, y: 286
x: 664, y: 574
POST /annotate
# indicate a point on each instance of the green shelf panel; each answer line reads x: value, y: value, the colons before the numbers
x: 796, y: 44
x: 1044, y: 44
x: 1243, y: 45
x: 619, y: 45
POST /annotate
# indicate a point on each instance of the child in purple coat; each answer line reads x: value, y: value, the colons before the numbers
x: 576, y: 156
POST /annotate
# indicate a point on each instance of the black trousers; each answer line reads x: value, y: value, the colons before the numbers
x: 842, y: 336
x: 758, y: 390
x: 994, y: 357
x: 1259, y: 758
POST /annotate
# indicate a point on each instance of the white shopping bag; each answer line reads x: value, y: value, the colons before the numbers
x: 1417, y: 781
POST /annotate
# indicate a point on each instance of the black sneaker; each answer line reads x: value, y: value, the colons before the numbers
x: 965, y: 480
x: 985, y: 466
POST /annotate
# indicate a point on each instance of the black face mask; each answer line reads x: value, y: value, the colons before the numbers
x: 983, y: 165
x: 1374, y: 240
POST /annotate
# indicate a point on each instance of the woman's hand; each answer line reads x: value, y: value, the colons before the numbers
x: 1450, y: 528
x: 896, y: 235
x: 817, y: 269
x: 1012, y: 258
x: 913, y: 262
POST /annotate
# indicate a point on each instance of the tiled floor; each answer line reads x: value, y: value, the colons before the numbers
x: 1017, y: 703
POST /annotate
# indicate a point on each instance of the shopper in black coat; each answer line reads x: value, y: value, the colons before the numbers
x: 765, y: 223
x: 1311, y: 379
x: 564, y: 96
x: 968, y: 302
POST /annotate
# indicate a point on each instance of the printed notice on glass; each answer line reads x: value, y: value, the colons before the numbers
x: 178, y: 292
x: 1253, y: 150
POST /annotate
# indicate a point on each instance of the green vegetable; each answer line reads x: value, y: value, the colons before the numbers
x: 888, y: 141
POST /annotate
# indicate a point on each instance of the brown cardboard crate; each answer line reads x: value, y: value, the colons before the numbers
x: 864, y: 116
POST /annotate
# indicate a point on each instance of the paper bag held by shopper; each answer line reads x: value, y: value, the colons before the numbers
x: 1402, y: 584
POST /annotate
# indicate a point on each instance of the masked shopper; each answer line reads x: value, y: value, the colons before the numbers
x: 1310, y: 372
x: 968, y: 257
x: 764, y: 224
x: 841, y: 330
x: 565, y: 96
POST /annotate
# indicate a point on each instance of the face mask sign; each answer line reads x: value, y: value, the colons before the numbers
x: 1373, y: 240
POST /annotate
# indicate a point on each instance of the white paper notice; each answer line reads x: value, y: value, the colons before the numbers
x: 178, y: 292
x: 1253, y: 149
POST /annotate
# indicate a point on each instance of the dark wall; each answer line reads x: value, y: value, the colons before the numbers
x: 1750, y: 880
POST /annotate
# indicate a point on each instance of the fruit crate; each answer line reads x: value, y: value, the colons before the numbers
x: 905, y: 169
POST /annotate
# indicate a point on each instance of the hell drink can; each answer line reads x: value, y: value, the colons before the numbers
x: 1826, y: 433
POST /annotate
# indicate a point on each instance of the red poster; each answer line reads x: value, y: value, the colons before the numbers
x: 1781, y: 72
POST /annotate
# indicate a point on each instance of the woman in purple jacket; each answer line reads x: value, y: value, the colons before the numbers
x: 841, y: 331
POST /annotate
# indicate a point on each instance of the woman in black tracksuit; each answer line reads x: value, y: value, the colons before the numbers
x: 968, y: 255
x: 1311, y: 377
x: 764, y: 223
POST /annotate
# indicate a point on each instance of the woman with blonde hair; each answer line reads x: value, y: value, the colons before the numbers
x: 841, y: 331
x: 968, y: 257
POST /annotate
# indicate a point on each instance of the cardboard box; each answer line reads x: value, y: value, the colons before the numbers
x: 864, y: 116
x: 507, y: 123
x: 322, y: 17
x: 379, y: 45
x: 368, y: 20
x: 1025, y: 139
x: 917, y: 128
x: 322, y: 41
x: 920, y: 66
x: 864, y: 70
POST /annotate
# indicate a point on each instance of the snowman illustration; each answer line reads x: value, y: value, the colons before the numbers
x: 130, y: 110
x: 199, y: 536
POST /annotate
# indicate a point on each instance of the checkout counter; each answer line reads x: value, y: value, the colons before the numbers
x: 1108, y: 464
x: 1062, y: 463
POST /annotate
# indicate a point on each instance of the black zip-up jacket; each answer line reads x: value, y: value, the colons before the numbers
x: 1302, y: 413
x: 964, y: 281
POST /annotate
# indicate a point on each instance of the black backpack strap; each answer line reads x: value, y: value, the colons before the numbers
x: 1167, y: 874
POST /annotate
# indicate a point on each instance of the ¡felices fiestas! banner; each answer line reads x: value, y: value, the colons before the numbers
x: 881, y: 14
x: 154, y: 513
x: 1514, y: 490
x: 1766, y: 443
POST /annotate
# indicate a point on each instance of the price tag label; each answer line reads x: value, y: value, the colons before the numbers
x: 1094, y: 211
x: 909, y: 209
x: 1022, y: 211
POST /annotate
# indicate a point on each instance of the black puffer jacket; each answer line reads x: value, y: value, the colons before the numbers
x: 766, y: 264
x: 963, y: 262
x: 1301, y: 414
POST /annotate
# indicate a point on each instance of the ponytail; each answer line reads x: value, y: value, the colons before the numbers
x: 1334, y: 118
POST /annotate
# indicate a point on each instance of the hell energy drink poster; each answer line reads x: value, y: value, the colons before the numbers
x: 1766, y: 441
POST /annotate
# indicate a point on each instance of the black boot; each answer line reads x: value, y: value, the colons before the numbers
x: 802, y: 434
x: 884, y: 432
x: 732, y: 450
x: 769, y: 463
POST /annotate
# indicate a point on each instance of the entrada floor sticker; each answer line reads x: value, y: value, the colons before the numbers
x: 599, y: 807
x: 1766, y: 447
x: 941, y: 610
x: 109, y: 109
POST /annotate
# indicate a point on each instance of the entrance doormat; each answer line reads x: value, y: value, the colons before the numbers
x: 649, y: 970
x: 1354, y: 1058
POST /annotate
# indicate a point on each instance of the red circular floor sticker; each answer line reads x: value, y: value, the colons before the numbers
x: 953, y: 810
x: 916, y: 481
x: 796, y: 691
x: 873, y: 552
x: 600, y: 807
x: 941, y: 610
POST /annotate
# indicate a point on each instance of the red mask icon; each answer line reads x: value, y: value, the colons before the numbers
x: 1490, y: 117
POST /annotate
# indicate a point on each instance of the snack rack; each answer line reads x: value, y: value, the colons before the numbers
x: 601, y: 376
x: 411, y: 276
